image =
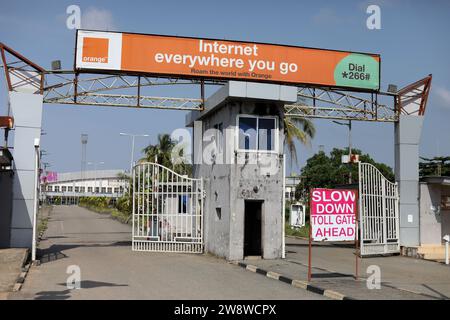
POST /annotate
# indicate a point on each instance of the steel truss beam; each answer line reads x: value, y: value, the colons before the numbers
x: 107, y: 90
x: 333, y: 104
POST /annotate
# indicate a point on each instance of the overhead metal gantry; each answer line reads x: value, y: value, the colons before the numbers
x: 114, y: 91
x: 118, y: 90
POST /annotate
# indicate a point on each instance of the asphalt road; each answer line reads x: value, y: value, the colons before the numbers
x: 100, y: 247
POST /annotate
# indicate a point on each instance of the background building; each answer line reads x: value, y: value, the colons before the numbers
x: 291, y: 186
x: 434, y: 216
x: 67, y: 188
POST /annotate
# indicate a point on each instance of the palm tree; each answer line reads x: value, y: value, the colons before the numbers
x: 163, y: 153
x: 300, y: 129
x: 160, y: 152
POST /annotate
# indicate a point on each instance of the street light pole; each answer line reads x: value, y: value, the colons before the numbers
x: 132, y: 154
x: 349, y: 125
x: 350, y: 151
x: 133, y: 136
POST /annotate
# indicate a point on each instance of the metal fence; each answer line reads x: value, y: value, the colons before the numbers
x: 167, y: 210
x: 379, y: 218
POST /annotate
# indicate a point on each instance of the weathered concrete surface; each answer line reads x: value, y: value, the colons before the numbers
x: 231, y: 177
x: 101, y: 248
x: 11, y: 262
x: 407, y: 139
x: 334, y: 267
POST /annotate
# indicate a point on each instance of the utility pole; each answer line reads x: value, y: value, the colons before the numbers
x: 349, y: 125
x: 132, y: 146
x: 84, y: 140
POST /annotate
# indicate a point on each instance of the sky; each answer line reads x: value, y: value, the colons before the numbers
x: 413, y: 42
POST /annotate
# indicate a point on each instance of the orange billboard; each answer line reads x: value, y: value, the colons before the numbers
x: 222, y: 59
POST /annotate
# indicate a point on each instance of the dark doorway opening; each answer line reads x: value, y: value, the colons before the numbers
x: 252, y: 228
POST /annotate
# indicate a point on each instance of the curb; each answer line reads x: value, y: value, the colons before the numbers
x: 293, y: 282
x: 21, y: 278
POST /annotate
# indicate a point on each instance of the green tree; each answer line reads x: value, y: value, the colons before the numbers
x: 160, y: 152
x: 167, y: 153
x: 327, y: 171
x: 437, y: 166
x: 125, y: 203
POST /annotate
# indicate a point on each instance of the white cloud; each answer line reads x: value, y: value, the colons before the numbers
x: 327, y: 16
x: 98, y: 19
x: 444, y: 95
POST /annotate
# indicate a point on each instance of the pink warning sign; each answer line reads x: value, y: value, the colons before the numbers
x: 333, y: 214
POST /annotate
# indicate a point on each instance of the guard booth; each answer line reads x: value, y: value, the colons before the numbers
x: 238, y: 151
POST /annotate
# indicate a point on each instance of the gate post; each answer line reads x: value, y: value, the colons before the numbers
x: 27, y: 112
x: 407, y: 138
x: 384, y: 222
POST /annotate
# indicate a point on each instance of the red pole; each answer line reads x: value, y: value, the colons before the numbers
x: 310, y: 233
x: 356, y: 237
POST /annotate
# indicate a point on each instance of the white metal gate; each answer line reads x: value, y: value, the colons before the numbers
x: 379, y: 217
x: 167, y: 210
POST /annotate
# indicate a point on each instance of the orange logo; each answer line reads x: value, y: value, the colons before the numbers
x: 95, y: 50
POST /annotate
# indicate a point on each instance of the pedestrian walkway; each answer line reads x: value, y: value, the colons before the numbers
x: 334, y: 269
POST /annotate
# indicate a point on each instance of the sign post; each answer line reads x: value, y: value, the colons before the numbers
x: 333, y: 217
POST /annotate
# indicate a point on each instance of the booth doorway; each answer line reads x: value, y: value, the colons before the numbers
x: 252, y: 228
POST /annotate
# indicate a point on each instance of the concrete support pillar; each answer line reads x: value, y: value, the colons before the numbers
x: 407, y: 138
x: 27, y: 112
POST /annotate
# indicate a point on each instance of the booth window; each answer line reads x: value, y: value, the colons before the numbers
x: 266, y: 134
x: 257, y: 133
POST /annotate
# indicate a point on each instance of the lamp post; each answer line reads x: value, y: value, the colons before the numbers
x: 36, y: 200
x: 132, y: 146
x: 349, y: 125
x: 95, y: 172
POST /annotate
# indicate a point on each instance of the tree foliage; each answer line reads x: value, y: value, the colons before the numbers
x: 327, y: 171
x: 437, y: 166
x: 167, y: 153
x: 300, y: 129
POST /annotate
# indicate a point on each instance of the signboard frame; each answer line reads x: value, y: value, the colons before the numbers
x: 225, y: 78
x: 356, y: 241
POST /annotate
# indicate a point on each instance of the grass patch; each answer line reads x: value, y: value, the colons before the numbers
x: 42, y: 220
x: 42, y: 226
x: 298, y: 232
